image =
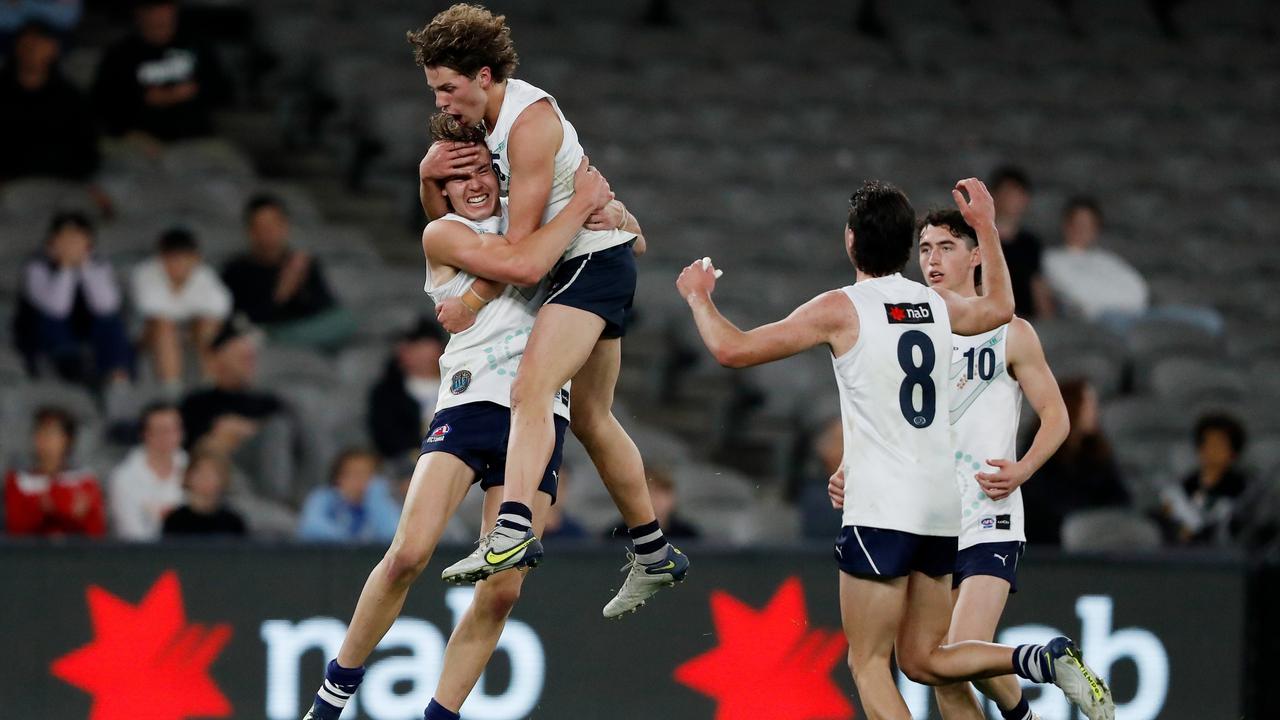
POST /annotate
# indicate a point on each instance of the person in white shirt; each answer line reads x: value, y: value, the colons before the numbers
x: 147, y: 485
x: 1088, y: 280
x: 176, y: 292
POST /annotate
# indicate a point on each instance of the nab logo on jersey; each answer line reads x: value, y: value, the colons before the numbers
x: 908, y: 313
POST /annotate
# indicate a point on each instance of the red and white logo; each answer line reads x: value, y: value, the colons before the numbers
x: 145, y: 661
x: 769, y: 663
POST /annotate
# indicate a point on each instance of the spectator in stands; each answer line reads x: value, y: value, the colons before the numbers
x: 176, y: 293
x: 1082, y: 475
x: 403, y: 400
x: 1200, y: 510
x: 46, y: 129
x: 662, y: 490
x: 147, y: 485
x: 358, y: 506
x: 158, y: 83
x: 229, y: 413
x: 281, y: 288
x: 1088, y: 280
x: 560, y: 524
x: 71, y: 302
x: 818, y: 521
x: 53, y: 498
x: 205, y: 511
x: 1011, y: 190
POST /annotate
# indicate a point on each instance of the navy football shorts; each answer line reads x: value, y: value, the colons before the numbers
x: 476, y: 434
x: 876, y: 553
x: 603, y: 283
x: 998, y: 559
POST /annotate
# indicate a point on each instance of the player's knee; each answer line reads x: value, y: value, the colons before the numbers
x: 917, y: 670
x: 497, y: 596
x: 586, y: 418
x: 406, y: 562
x: 528, y: 394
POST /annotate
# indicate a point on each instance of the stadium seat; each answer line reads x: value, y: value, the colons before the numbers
x: 1109, y: 530
x: 1187, y: 380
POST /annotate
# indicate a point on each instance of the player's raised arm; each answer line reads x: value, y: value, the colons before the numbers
x: 524, y: 263
x: 1026, y: 361
x: 828, y: 319
x: 970, y: 316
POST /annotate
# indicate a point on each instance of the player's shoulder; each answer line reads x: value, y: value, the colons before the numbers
x: 1022, y: 342
x: 446, y: 229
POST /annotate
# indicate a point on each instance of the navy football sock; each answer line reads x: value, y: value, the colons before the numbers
x: 1021, y: 711
x: 649, y: 542
x: 1032, y: 662
x: 436, y: 711
x: 339, y: 685
x: 515, y: 516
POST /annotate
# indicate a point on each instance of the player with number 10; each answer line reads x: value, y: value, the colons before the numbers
x: 890, y: 342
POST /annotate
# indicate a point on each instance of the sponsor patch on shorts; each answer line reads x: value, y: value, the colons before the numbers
x: 438, y: 434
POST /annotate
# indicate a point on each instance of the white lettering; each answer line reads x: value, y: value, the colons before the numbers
x: 286, y: 644
x: 528, y: 668
x: 1104, y: 647
x: 420, y: 668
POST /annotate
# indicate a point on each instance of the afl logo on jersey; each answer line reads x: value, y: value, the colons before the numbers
x: 460, y: 381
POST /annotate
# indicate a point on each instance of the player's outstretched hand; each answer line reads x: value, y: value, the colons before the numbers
x: 590, y: 186
x: 835, y: 489
x: 697, y: 279
x: 454, y: 315
x: 447, y: 159
x: 1008, y: 476
x: 979, y: 210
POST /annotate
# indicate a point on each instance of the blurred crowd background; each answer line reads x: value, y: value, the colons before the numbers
x: 211, y: 284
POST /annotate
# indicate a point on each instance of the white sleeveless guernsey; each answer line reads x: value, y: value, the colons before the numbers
x: 898, y: 462
x: 519, y: 96
x: 479, y: 363
x: 986, y: 402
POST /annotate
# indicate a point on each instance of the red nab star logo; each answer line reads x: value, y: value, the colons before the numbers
x: 769, y: 664
x: 897, y: 314
x: 145, y: 661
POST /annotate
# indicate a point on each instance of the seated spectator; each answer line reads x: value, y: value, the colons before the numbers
x: 205, y: 512
x: 176, y: 293
x: 1088, y: 280
x: 561, y: 525
x: 358, y: 506
x: 70, y: 303
x: 662, y: 490
x: 1082, y: 475
x: 228, y: 413
x: 818, y: 520
x: 52, y: 498
x: 157, y: 82
x: 403, y: 400
x: 1011, y: 191
x: 1200, y: 510
x: 230, y: 417
x: 283, y: 289
x: 147, y: 485
x: 46, y: 129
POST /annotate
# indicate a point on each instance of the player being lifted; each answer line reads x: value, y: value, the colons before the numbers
x: 467, y: 441
x: 897, y: 549
x: 989, y: 374
x: 468, y: 58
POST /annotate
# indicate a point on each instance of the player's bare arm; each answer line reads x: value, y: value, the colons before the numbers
x: 824, y: 320
x: 535, y: 139
x: 971, y: 316
x: 455, y: 245
x: 1026, y: 361
x: 615, y: 216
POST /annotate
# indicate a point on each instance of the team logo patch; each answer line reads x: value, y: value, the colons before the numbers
x: 908, y: 313
x: 1003, y: 522
x: 460, y: 381
x: 438, y: 434
x: 989, y: 522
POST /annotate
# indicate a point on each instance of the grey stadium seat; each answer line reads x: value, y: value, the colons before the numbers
x: 1105, y: 530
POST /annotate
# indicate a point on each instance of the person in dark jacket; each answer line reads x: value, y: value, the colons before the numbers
x: 403, y: 400
x: 1082, y: 475
x: 1200, y: 510
x: 158, y: 82
x: 205, y: 513
x: 47, y: 128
